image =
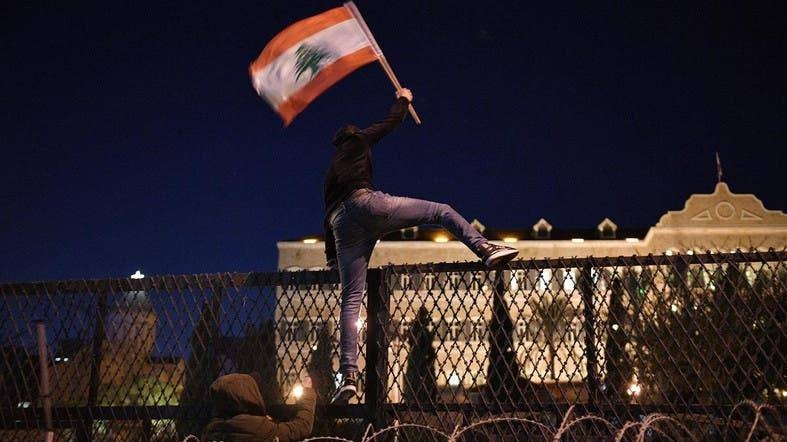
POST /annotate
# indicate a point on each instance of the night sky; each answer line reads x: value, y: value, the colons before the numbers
x: 131, y: 136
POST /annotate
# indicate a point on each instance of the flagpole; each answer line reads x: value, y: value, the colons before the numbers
x: 718, y: 166
x: 386, y: 67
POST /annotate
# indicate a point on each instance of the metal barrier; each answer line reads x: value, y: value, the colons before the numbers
x: 614, y: 340
x: 687, y: 336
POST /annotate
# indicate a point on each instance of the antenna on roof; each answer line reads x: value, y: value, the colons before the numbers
x: 718, y: 166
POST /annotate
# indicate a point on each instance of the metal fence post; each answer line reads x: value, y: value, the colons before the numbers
x: 43, y: 390
x: 586, y: 287
x: 85, y: 431
x: 376, y: 346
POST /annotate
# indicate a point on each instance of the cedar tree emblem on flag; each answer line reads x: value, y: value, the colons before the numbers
x: 310, y: 56
x: 310, y: 59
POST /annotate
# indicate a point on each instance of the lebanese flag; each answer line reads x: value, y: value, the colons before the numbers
x: 307, y: 58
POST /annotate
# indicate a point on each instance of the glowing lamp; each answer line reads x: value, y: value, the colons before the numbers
x: 440, y: 238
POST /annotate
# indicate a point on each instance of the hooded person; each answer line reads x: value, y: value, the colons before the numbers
x: 239, y: 413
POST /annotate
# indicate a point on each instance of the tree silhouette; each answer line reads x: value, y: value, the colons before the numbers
x: 737, y: 324
x: 669, y: 361
x: 320, y: 369
x: 770, y: 287
x: 554, y: 312
x: 320, y: 366
x: 712, y: 345
x: 503, y: 369
x: 258, y: 355
x: 617, y: 362
x: 203, y: 366
x: 420, y: 382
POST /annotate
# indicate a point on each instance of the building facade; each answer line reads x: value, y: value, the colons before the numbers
x: 721, y: 221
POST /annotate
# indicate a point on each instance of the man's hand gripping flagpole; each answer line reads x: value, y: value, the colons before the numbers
x: 380, y: 56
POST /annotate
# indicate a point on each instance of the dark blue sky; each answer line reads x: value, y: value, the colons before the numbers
x: 131, y: 137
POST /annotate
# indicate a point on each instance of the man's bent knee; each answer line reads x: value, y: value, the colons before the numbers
x: 444, y: 210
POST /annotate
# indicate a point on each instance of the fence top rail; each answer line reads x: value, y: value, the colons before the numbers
x: 608, y: 261
x: 238, y: 280
x: 196, y: 282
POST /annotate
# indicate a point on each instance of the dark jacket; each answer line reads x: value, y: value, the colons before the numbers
x: 239, y: 413
x: 351, y: 164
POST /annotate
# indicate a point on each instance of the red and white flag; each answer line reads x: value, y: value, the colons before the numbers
x: 308, y: 57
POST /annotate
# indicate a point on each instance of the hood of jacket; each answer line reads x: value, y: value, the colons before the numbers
x: 235, y: 394
x: 345, y: 133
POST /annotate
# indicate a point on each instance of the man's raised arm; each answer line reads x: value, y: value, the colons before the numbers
x: 378, y: 130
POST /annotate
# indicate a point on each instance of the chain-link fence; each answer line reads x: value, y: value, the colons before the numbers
x: 689, y: 336
x: 621, y: 340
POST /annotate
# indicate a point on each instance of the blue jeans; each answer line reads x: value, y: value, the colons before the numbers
x: 357, y: 224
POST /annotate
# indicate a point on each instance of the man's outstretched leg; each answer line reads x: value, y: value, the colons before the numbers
x: 407, y: 212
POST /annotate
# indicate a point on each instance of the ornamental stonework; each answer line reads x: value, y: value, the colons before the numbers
x: 722, y: 208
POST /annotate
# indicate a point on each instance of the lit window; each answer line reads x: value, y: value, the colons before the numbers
x: 544, y: 278
x: 409, y: 233
x: 454, y: 278
x: 440, y: 238
x: 404, y: 281
x: 568, y: 281
x: 429, y: 281
x: 518, y: 280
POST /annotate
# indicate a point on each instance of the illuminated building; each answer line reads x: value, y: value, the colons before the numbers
x: 721, y: 221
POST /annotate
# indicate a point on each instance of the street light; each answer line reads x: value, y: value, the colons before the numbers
x: 297, y: 391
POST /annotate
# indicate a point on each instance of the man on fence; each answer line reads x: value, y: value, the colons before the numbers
x: 356, y: 217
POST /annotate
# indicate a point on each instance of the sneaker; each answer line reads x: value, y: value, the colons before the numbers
x: 347, y: 391
x: 493, y: 255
